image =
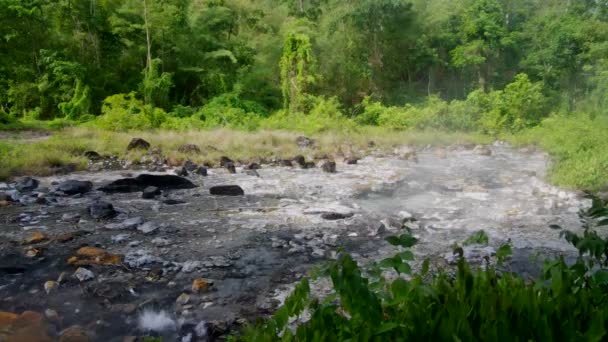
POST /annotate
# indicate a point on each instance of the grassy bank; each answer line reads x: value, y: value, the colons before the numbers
x: 21, y: 156
x: 577, y: 145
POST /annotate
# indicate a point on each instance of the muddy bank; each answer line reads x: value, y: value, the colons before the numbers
x: 189, y: 263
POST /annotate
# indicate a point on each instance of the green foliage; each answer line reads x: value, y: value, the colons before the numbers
x: 79, y: 104
x: 156, y: 85
x: 477, y: 238
x: 297, y: 69
x: 125, y: 111
x: 564, y: 303
x: 577, y: 145
x: 520, y: 105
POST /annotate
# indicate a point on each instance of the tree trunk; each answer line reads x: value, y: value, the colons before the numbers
x: 148, y: 44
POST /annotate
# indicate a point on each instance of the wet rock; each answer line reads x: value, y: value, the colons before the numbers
x: 201, y: 171
x: 101, y: 210
x: 50, y: 286
x: 36, y: 237
x: 191, y: 266
x: 29, y: 326
x: 189, y: 165
x: 329, y: 166
x: 285, y: 162
x: 27, y: 184
x: 92, y: 156
x: 300, y: 160
x: 309, y: 165
x: 333, y: 216
x: 51, y: 315
x: 351, y: 161
x: 161, y: 242
x: 148, y: 227
x: 200, y: 285
x: 225, y: 161
x: 217, y: 261
x: 226, y: 190
x: 173, y: 201
x: 182, y: 172
x: 82, y: 274
x: 130, y: 223
x: 150, y: 192
x: 253, y: 166
x: 120, y: 238
x: 5, y: 197
x: 138, y: 143
x: 94, y: 256
x: 482, y: 150
x: 230, y: 167
x: 189, y: 149
x: 73, y: 187
x: 70, y: 217
x: 139, y: 183
x: 305, y: 142
x: 140, y: 258
x: 183, y: 299
x: 74, y: 334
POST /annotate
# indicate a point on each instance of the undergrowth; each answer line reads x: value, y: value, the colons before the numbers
x: 566, y: 303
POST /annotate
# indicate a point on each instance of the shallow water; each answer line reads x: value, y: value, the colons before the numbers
x: 255, y: 245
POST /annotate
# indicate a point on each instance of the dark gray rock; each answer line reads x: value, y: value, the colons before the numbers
x: 189, y: 165
x: 253, y: 166
x: 150, y: 192
x: 335, y: 216
x: 139, y: 183
x: 5, y: 197
x: 182, y: 172
x: 285, y: 162
x: 92, y: 156
x: 138, y: 143
x: 309, y: 165
x: 26, y: 184
x: 300, y: 160
x: 201, y: 171
x: 329, y: 166
x: 227, y: 190
x: 101, y: 210
x: 351, y: 161
x: 253, y: 173
x: 225, y: 160
x: 73, y: 187
x: 230, y: 167
x: 173, y: 201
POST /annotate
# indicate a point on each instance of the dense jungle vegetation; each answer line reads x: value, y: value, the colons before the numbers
x: 526, y: 70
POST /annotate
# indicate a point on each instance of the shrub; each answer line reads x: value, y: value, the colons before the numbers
x: 323, y: 114
x: 520, y: 105
x: 125, y: 111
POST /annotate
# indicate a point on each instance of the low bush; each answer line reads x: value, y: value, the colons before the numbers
x: 566, y: 303
x: 126, y: 111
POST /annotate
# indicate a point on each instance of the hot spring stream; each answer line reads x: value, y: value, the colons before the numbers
x: 250, y: 249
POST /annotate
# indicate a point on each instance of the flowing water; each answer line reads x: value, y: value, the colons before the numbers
x: 254, y: 246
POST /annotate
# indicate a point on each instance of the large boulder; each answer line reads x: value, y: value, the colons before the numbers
x: 27, y: 184
x: 201, y: 171
x: 230, y: 167
x: 73, y: 187
x: 139, y: 183
x: 138, y: 144
x: 101, y: 210
x: 92, y: 156
x: 227, y: 190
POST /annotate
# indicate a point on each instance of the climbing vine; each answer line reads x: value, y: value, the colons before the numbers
x: 297, y: 69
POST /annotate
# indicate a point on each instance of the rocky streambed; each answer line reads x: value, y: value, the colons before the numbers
x: 107, y: 257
